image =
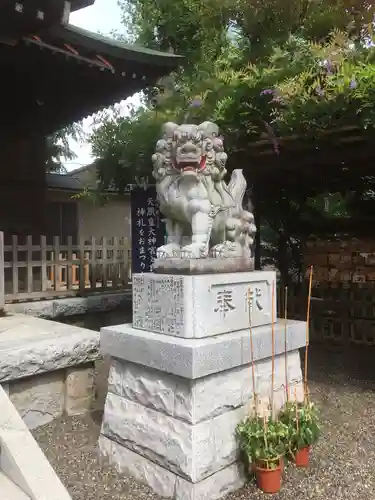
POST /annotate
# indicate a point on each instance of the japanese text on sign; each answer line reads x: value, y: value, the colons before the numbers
x: 147, y: 229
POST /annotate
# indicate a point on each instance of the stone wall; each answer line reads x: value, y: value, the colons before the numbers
x: 72, y: 306
x: 44, y: 397
x: 25, y: 472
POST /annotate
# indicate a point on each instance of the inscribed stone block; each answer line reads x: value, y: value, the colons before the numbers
x: 202, y: 306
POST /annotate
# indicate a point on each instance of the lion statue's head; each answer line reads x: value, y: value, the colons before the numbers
x: 189, y: 150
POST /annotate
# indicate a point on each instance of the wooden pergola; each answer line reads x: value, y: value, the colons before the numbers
x: 338, y: 160
x: 341, y: 249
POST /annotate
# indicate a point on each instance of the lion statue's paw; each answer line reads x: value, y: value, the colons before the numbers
x: 194, y: 251
x: 229, y: 249
x: 168, y: 251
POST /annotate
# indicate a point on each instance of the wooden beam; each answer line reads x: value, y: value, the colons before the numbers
x: 293, y: 138
x: 21, y: 18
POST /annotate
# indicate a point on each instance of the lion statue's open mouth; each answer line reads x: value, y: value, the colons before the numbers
x: 190, y: 165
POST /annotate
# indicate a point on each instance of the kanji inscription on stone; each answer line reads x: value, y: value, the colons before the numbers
x: 224, y: 302
x: 161, y: 305
x: 255, y: 298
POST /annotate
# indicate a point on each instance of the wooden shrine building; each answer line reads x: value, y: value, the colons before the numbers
x: 53, y: 74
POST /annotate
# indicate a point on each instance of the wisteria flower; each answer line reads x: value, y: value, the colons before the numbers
x: 329, y: 67
x: 267, y: 92
x: 196, y: 103
x: 353, y: 84
x: 319, y: 90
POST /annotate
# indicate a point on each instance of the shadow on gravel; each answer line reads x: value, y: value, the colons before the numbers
x: 331, y: 363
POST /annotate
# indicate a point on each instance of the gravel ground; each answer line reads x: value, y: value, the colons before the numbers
x: 342, y: 382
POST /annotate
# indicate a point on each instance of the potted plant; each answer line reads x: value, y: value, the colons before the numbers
x: 263, y: 442
x: 302, y: 421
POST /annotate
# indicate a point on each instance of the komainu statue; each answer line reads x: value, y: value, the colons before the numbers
x: 204, y: 215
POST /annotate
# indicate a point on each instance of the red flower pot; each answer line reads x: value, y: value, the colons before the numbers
x: 268, y: 480
x: 252, y: 466
x: 302, y: 457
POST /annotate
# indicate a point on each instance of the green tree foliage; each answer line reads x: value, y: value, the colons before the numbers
x: 195, y: 29
x: 124, y: 146
x: 58, y: 147
x: 261, y: 69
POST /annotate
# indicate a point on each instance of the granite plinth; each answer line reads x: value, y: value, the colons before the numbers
x: 194, y: 358
x: 173, y: 404
x: 202, y: 305
x: 181, y: 377
x: 209, y: 265
x: 166, y: 483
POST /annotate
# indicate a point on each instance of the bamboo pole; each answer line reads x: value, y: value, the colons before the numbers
x: 252, y: 349
x: 273, y: 349
x: 285, y: 343
x: 296, y: 402
x: 308, y: 332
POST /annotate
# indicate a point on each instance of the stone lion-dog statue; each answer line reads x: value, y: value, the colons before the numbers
x: 204, y: 215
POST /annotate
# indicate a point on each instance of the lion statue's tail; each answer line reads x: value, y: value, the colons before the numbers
x: 237, y: 188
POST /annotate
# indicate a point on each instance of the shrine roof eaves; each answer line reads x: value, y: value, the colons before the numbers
x: 80, y: 4
x: 108, y: 46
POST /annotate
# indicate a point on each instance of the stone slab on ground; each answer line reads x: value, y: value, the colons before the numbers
x: 195, y: 358
x: 21, y: 459
x: 30, y: 346
x: 202, y: 306
x: 71, y: 306
x: 9, y: 490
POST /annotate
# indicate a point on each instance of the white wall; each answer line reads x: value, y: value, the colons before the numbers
x: 111, y: 219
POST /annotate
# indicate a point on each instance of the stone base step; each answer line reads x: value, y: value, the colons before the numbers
x: 9, y: 490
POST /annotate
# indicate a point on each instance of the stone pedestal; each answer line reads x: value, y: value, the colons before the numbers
x: 178, y: 389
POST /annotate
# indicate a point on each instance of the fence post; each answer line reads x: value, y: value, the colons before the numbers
x: 2, y: 286
x: 82, y: 285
